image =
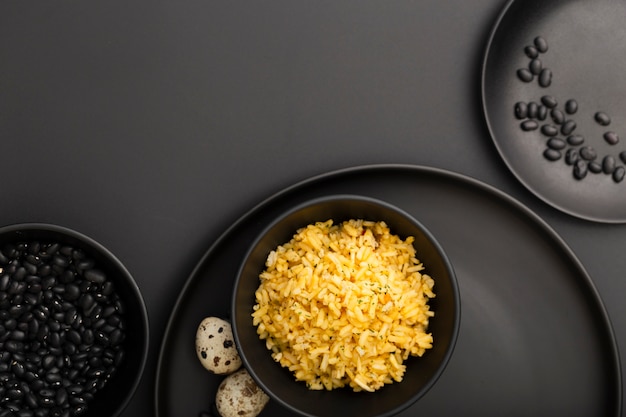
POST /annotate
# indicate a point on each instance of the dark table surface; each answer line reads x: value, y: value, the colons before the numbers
x: 153, y: 126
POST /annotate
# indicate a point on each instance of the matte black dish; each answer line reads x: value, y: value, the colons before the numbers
x: 586, y: 56
x: 113, y: 398
x: 421, y: 372
x: 535, y: 338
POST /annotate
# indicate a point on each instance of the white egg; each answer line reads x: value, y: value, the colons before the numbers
x: 215, y: 346
x: 239, y: 396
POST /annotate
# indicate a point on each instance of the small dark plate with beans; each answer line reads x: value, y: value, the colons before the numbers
x: 73, y: 325
x: 554, y: 98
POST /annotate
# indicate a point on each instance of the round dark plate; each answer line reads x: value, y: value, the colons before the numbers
x: 587, y: 58
x: 535, y: 338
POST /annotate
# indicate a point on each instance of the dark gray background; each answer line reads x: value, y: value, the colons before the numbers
x: 152, y: 126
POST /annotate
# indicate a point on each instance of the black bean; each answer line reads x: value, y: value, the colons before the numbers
x: 88, y: 337
x: 529, y: 125
x: 37, y: 384
x: 549, y: 130
x: 74, y: 337
x: 608, y: 164
x: 568, y: 127
x: 552, y: 154
x: 116, y: 337
x: 44, y: 270
x: 32, y: 299
x: 48, y: 282
x: 31, y: 400
x: 549, y: 101
x: 96, y: 276
x: 5, y: 280
x: 531, y: 52
x: 41, y: 313
x: 525, y: 75
x: 53, y: 378
x: 18, y: 369
x: 66, y: 277
x: 55, y: 326
x: 594, y: 167
x: 533, y: 109
x: 618, y: 174
x: 85, y: 286
x: 71, y: 316
x: 12, y: 346
x: 85, y: 264
x: 61, y: 397
x: 102, y: 338
x: 66, y: 250
x: 78, y: 400
x: 571, y: 156
x: 120, y: 306
x: 541, y: 44
x: 542, y: 112
x: 51, y: 249
x: 580, y: 169
x: 521, y: 110
x: 55, y: 339
x: 588, y: 153
x: 611, y: 138
x: 622, y: 156
x: 602, y: 118
x: 60, y: 261
x: 108, y: 311
x: 535, y: 66
x: 86, y: 301
x: 15, y: 394
x: 18, y: 335
x: 116, y: 321
x: 46, y: 393
x: 16, y: 288
x: 108, y: 288
x: 10, y: 324
x: 75, y: 390
x: 571, y: 106
x: 557, y: 116
x: 20, y: 274
x: 34, y: 288
x: 545, y: 77
x: 48, y: 361
x: 72, y: 292
x: 30, y: 268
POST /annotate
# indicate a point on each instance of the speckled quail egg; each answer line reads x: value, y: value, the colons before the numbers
x: 239, y: 396
x: 215, y: 346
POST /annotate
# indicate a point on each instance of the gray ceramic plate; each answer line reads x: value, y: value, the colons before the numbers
x: 587, y: 59
x: 535, y: 339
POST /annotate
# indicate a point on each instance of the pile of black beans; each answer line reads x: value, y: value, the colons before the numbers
x: 557, y: 125
x: 61, y: 330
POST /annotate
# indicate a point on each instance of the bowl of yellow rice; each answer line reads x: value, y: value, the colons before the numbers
x: 345, y: 306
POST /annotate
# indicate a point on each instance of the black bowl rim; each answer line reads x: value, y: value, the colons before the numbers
x: 84, y: 239
x: 445, y: 258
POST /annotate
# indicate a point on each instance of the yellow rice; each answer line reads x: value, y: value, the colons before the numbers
x: 344, y: 305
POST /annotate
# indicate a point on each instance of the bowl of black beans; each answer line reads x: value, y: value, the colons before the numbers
x: 73, y: 325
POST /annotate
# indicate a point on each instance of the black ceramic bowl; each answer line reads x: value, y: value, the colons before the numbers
x: 58, y: 342
x: 421, y: 373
